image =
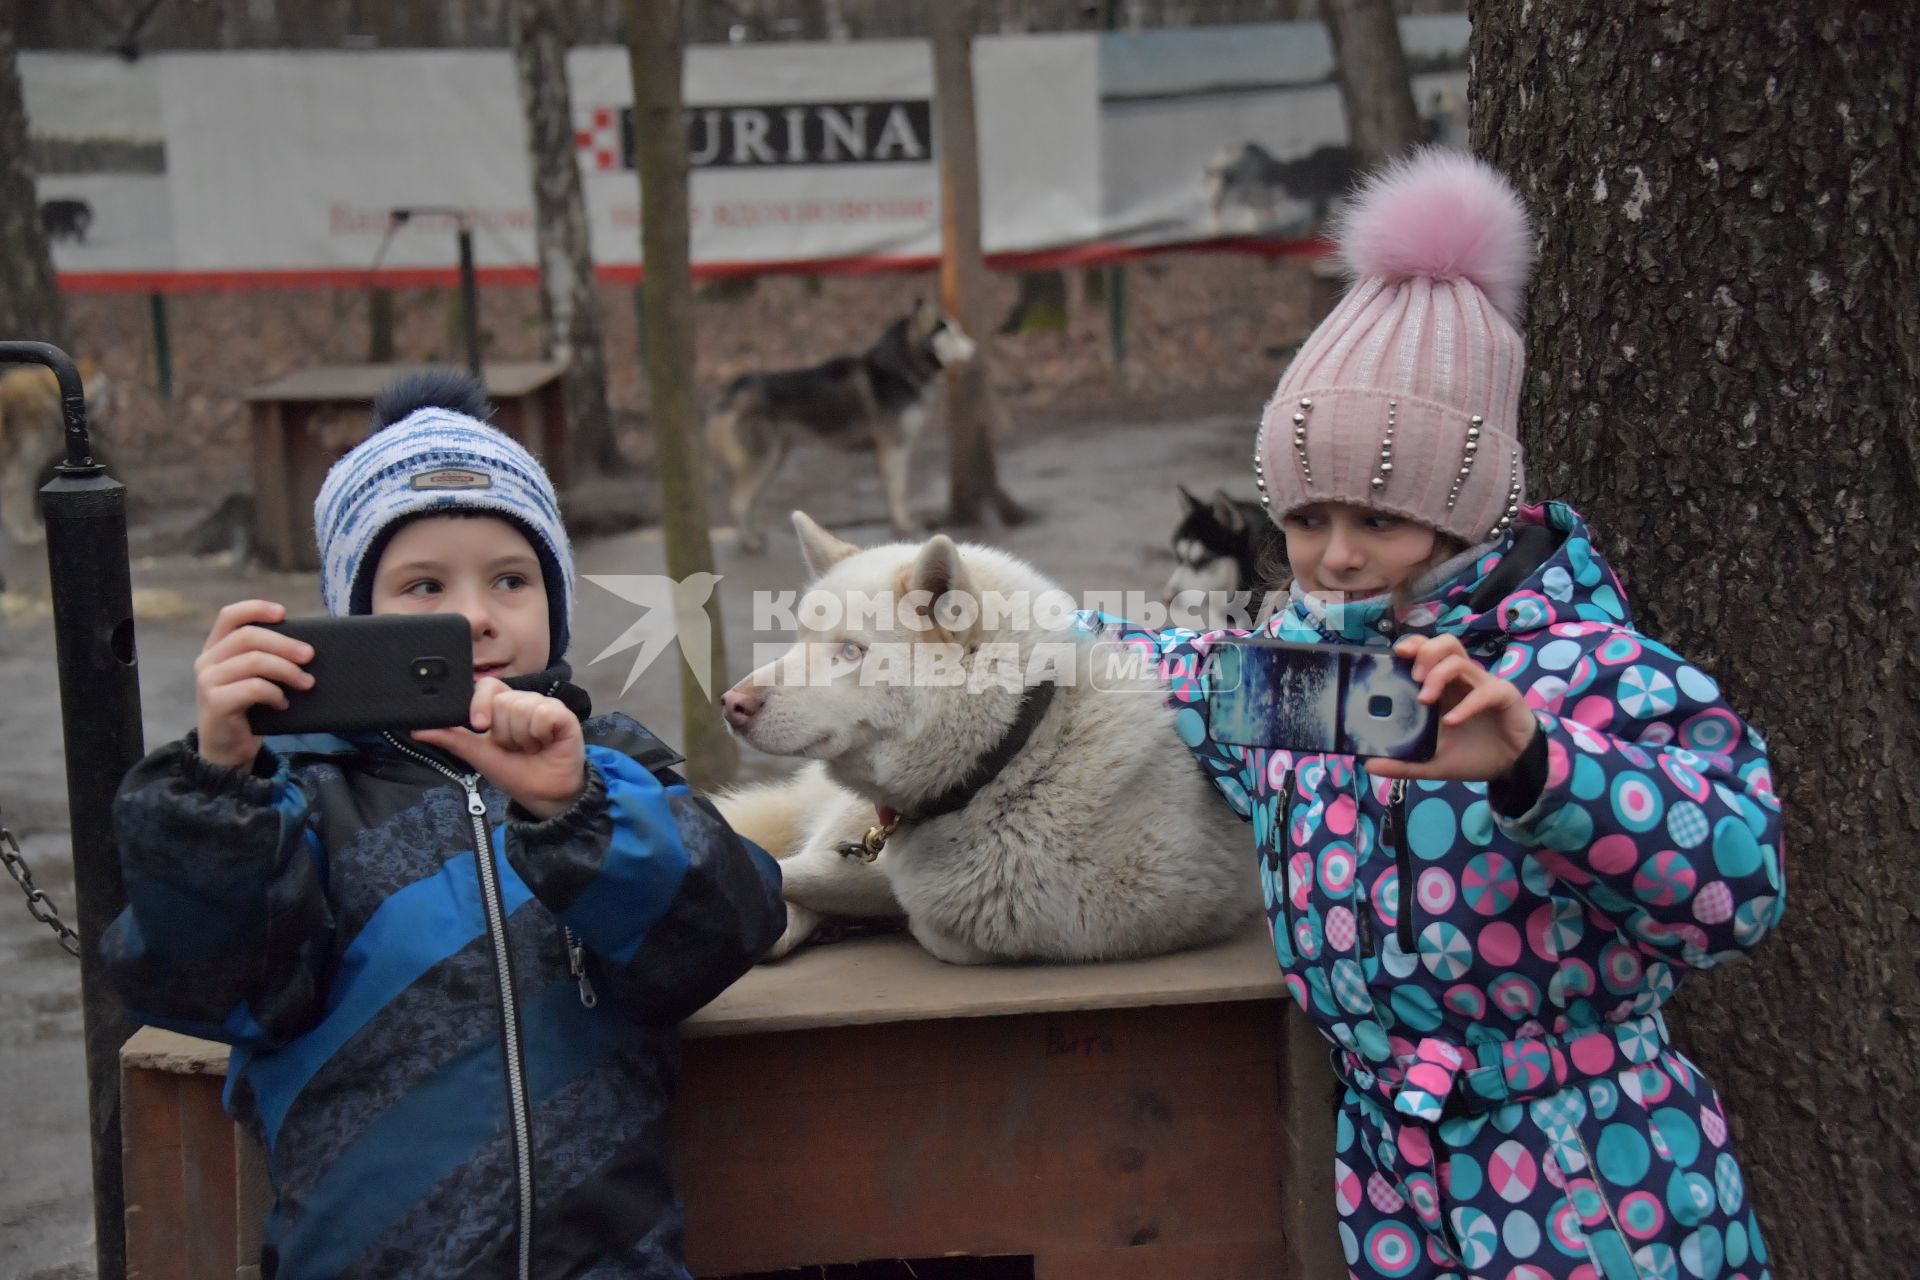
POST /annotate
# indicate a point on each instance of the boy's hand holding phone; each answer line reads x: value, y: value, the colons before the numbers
x: 243, y: 666
x: 525, y: 743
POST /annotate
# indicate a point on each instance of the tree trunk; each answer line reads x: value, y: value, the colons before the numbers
x: 29, y: 296
x: 963, y: 271
x: 569, y: 300
x: 654, y: 50
x: 1725, y: 344
x: 1374, y: 86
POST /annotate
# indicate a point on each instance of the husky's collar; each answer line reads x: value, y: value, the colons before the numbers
x: 1033, y: 706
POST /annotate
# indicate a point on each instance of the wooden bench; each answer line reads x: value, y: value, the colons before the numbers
x: 303, y: 422
x: 861, y: 1101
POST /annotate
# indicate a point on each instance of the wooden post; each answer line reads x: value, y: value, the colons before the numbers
x: 654, y: 48
x: 963, y: 271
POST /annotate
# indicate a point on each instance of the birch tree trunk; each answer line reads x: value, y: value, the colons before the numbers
x: 655, y: 52
x: 1724, y: 344
x: 569, y: 300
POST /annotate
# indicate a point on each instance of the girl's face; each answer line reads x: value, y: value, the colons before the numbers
x: 1355, y: 552
x: 481, y: 568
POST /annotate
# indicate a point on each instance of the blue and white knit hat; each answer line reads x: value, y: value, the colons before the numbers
x: 431, y: 452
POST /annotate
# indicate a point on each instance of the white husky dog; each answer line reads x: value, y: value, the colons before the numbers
x: 1038, y: 817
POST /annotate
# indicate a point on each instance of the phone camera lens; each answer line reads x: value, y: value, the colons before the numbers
x: 1380, y: 706
x: 429, y: 674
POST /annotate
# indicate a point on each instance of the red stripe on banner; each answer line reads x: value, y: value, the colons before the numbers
x: 1098, y: 253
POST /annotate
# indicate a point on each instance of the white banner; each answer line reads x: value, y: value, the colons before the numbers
x: 237, y: 169
x: 1238, y: 131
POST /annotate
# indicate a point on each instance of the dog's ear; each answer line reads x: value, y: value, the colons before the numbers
x: 924, y: 318
x: 1188, y: 503
x: 939, y: 572
x: 1227, y: 513
x: 820, y: 549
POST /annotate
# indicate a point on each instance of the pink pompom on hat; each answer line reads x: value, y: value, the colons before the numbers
x: 1406, y: 398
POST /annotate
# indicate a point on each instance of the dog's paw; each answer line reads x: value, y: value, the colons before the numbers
x: 801, y: 924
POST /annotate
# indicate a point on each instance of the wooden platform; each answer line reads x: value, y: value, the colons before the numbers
x: 863, y: 1101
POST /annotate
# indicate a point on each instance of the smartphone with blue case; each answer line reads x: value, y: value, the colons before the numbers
x: 1337, y: 699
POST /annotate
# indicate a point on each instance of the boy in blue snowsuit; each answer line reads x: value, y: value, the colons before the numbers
x: 1488, y: 938
x: 450, y: 963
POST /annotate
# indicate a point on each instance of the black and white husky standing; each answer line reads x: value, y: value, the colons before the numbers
x: 876, y: 400
x: 1223, y: 548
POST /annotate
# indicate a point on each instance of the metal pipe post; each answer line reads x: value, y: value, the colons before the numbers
x: 162, y: 344
x: 91, y: 586
x: 470, y: 300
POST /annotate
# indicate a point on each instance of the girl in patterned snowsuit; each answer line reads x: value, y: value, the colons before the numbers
x: 1488, y: 938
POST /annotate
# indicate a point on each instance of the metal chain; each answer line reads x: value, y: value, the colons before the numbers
x: 39, y: 905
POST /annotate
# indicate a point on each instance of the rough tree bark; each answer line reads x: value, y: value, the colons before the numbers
x: 29, y: 296
x: 569, y: 301
x: 973, y: 477
x: 655, y: 52
x: 1724, y: 340
x: 1374, y: 86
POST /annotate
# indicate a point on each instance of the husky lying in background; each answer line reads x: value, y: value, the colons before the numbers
x: 1050, y: 820
x: 1224, y: 547
x: 876, y: 400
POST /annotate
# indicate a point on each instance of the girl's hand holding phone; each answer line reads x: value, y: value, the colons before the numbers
x: 1485, y: 726
x: 242, y: 666
x: 525, y: 743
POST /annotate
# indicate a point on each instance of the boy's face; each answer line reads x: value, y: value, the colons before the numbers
x: 481, y: 568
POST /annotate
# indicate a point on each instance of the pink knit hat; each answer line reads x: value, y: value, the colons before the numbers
x: 1406, y: 398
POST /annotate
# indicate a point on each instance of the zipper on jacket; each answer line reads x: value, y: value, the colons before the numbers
x: 1362, y: 917
x: 1285, y: 846
x: 577, y: 966
x: 1396, y: 838
x: 509, y: 1010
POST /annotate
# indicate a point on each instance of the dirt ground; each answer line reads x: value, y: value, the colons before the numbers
x: 1103, y: 485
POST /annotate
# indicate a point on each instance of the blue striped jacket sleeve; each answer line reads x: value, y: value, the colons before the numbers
x: 669, y: 900
x: 227, y: 930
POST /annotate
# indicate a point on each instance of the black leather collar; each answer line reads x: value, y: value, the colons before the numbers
x: 1033, y: 705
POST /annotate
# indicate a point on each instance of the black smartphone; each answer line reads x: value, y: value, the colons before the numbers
x: 393, y: 671
x: 1342, y: 699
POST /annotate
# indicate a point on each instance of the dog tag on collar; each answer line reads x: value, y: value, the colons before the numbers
x: 452, y: 478
x: 868, y: 847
